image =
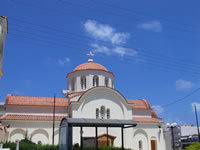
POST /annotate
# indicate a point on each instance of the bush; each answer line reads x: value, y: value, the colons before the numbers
x: 195, y: 146
x: 105, y: 148
x: 28, y: 146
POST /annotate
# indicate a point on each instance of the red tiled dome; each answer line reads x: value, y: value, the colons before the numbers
x: 90, y: 66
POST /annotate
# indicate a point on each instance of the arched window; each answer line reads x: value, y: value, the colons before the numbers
x: 83, y: 82
x: 97, y: 113
x: 108, y: 113
x: 140, y: 145
x: 95, y: 80
x: 106, y: 81
x: 102, y: 112
x: 73, y: 84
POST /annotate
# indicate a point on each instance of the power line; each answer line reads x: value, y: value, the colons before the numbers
x: 83, y: 37
x: 153, y: 61
x: 145, y: 14
x: 81, y: 16
x: 153, y: 64
x: 124, y: 17
x: 181, y: 99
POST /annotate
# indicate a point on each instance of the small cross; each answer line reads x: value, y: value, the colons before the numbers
x: 90, y: 54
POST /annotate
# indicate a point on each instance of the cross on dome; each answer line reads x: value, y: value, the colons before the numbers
x: 90, y: 54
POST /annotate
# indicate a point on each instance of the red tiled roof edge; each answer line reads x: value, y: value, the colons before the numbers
x: 30, y: 117
x: 147, y: 120
x: 146, y: 106
x: 105, y: 134
x: 35, y: 101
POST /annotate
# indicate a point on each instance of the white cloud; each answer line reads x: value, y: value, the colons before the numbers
x: 100, y: 49
x: 105, y: 32
x: 155, y: 26
x: 197, y: 106
x: 158, y: 109
x: 183, y: 84
x: 64, y: 61
x: 118, y: 50
x: 124, y: 51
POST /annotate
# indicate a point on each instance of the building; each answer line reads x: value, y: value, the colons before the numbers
x: 3, y: 32
x: 92, y: 95
x: 185, y: 135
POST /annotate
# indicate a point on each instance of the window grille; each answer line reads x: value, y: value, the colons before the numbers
x: 97, y: 113
x: 102, y: 112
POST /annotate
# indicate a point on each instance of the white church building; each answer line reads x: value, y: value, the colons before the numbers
x: 91, y: 95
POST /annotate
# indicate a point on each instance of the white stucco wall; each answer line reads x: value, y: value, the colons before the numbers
x: 109, y: 98
x: 2, y: 136
x: 147, y: 132
x: 35, y: 110
x: 89, y: 79
x: 37, y: 131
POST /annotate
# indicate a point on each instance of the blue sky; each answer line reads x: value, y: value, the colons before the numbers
x: 152, y: 47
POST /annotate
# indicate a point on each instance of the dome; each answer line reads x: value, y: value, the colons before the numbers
x: 90, y: 66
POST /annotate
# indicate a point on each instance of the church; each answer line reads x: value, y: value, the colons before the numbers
x: 91, y: 94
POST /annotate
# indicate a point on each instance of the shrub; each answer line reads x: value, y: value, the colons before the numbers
x: 105, y: 148
x: 28, y: 146
x: 195, y: 146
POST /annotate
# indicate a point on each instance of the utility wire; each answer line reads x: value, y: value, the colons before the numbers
x: 132, y: 11
x: 157, y: 59
x: 124, y: 17
x: 181, y: 99
x: 82, y: 16
x: 162, y: 65
x: 83, y: 38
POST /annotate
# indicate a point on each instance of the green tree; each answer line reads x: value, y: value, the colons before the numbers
x: 195, y: 146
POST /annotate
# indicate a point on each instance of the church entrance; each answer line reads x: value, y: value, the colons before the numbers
x: 153, y: 144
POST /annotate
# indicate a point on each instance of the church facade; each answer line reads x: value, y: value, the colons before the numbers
x: 91, y: 94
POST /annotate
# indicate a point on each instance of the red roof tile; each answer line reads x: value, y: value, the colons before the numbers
x: 90, y: 66
x: 142, y: 104
x: 30, y: 117
x: 147, y: 120
x: 139, y: 104
x: 35, y: 101
x: 105, y: 134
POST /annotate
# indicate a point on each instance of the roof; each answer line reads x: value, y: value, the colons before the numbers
x: 30, y: 117
x: 97, y: 122
x: 147, y: 120
x: 106, y: 135
x: 90, y: 66
x: 35, y: 101
x: 142, y: 104
x: 139, y: 104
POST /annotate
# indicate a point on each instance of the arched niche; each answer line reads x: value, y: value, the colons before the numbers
x: 140, y: 136
x: 40, y: 135
x: 17, y: 134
